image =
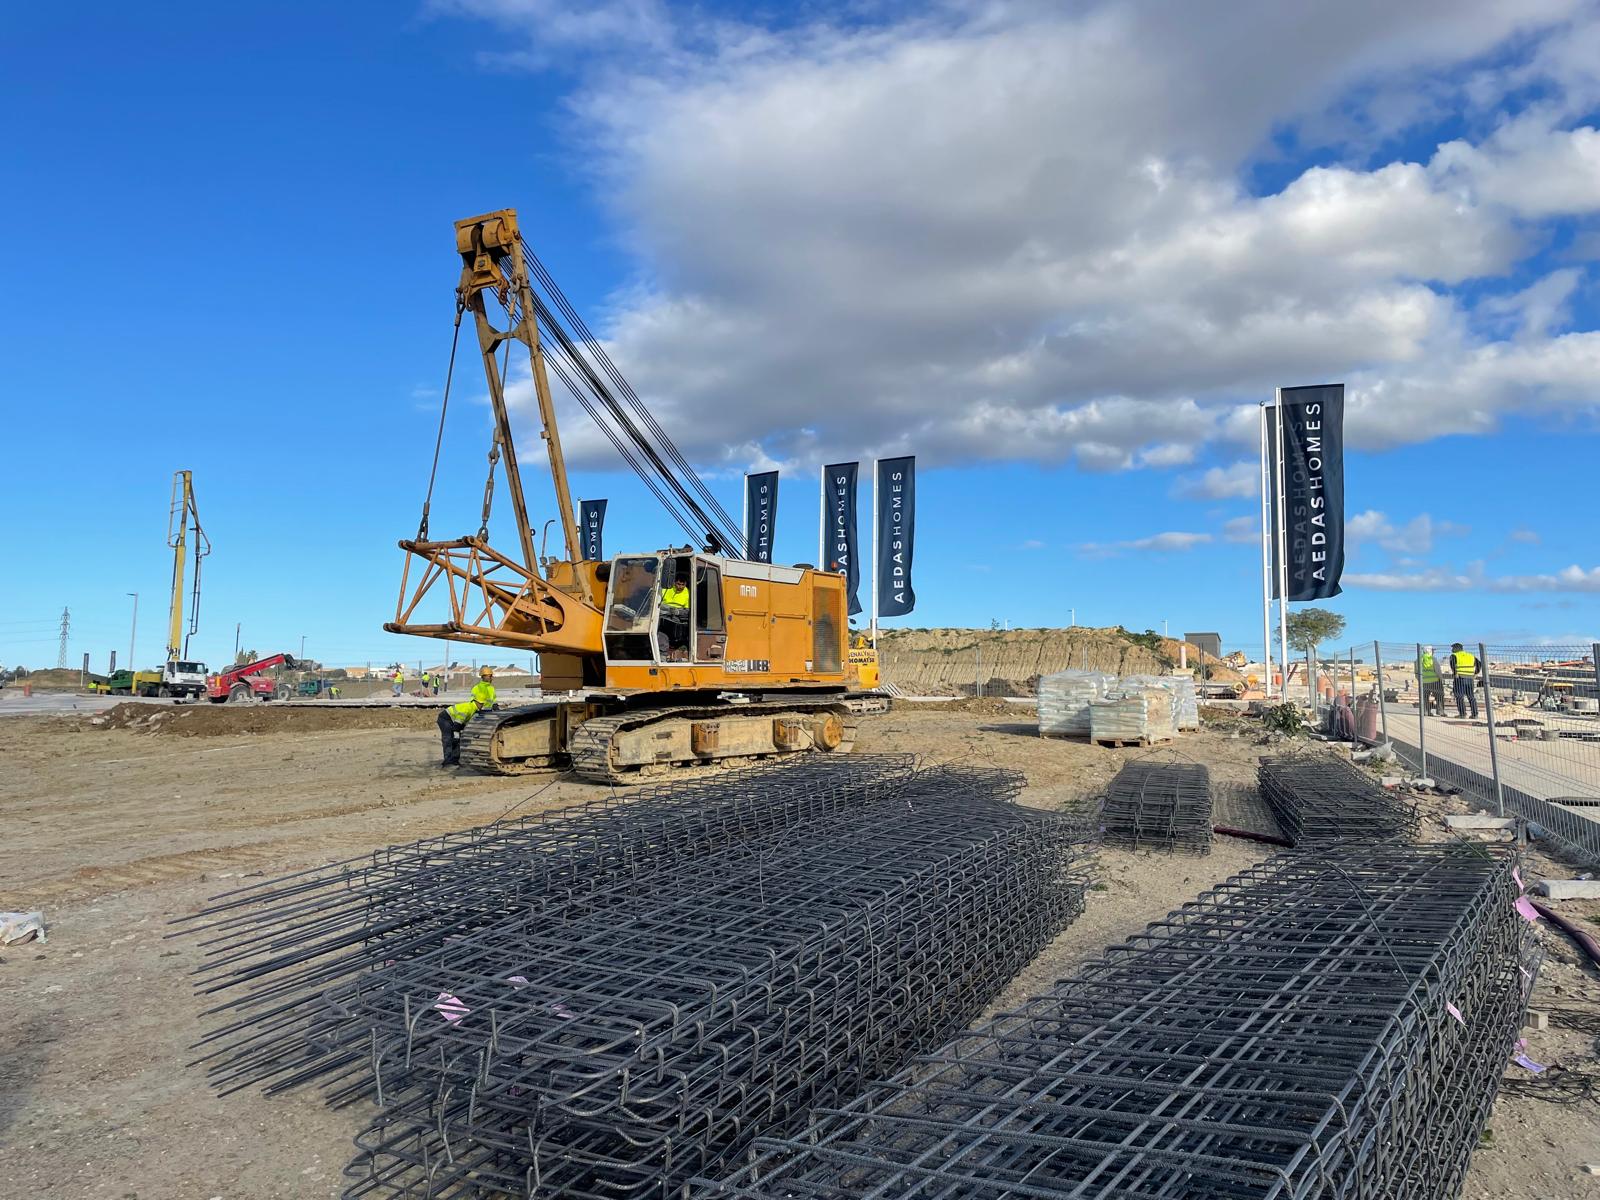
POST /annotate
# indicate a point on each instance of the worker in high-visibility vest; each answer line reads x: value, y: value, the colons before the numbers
x: 675, y: 616
x: 1465, y: 666
x: 398, y: 681
x: 453, y: 719
x: 1431, y: 684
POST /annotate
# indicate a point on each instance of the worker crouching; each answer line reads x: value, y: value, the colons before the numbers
x: 453, y: 719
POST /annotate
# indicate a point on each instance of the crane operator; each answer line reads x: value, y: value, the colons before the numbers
x: 453, y: 720
x: 675, y: 612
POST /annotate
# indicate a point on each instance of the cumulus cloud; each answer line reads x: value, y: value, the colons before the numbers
x: 1242, y: 530
x: 1018, y: 232
x: 1238, y: 481
x: 1415, y: 537
x: 1166, y: 543
x: 1474, y: 579
x: 1527, y: 537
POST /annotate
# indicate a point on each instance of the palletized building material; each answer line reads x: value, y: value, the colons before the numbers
x: 1064, y: 699
x: 1319, y: 799
x: 1323, y: 1027
x: 1188, y: 700
x: 1136, y: 716
x: 1159, y: 805
x: 617, y: 1044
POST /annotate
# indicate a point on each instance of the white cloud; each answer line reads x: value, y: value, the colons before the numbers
x: 1016, y: 232
x: 1241, y: 480
x: 1172, y: 542
x: 1474, y: 579
x: 1526, y: 536
x: 1416, y: 536
x: 1242, y: 530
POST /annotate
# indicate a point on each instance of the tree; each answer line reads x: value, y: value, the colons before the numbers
x: 245, y: 657
x: 1310, y: 627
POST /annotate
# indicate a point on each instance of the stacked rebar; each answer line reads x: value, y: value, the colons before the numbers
x: 619, y: 1042
x: 1159, y: 806
x: 1319, y: 800
x: 273, y: 949
x: 1329, y: 1025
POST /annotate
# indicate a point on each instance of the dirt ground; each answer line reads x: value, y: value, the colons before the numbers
x: 114, y: 832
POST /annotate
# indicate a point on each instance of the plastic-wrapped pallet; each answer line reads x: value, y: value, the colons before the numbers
x: 1064, y: 701
x: 1168, y: 687
x: 1188, y: 700
x: 1138, y: 715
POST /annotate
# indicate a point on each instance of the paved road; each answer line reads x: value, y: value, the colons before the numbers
x: 1547, y: 770
x: 14, y: 704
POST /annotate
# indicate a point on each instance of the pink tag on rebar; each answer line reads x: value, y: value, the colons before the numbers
x: 517, y: 980
x: 562, y: 1011
x: 1517, y: 875
x: 451, y: 1007
x: 1526, y: 908
x: 1454, y: 1012
x: 1522, y: 1060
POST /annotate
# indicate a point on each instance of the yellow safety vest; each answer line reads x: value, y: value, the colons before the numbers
x: 1430, y: 669
x: 1462, y: 663
x: 675, y: 597
x: 463, y: 712
x: 483, y: 693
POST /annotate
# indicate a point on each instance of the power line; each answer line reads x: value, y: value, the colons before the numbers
x: 66, y: 631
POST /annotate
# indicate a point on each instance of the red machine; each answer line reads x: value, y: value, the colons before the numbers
x: 246, y: 683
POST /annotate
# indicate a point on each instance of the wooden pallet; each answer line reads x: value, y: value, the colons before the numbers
x: 1118, y: 743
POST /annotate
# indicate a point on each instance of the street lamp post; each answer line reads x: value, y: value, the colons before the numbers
x: 302, y: 647
x: 133, y: 633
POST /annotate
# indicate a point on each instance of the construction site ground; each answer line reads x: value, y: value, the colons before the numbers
x: 114, y: 829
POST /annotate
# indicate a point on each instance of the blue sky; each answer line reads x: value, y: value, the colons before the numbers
x: 229, y: 249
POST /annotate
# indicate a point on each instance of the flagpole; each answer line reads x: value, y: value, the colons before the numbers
x: 1266, y: 558
x: 744, y: 517
x: 1283, y: 552
x: 874, y: 519
x: 822, y: 514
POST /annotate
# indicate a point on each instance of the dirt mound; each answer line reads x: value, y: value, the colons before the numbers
x: 960, y: 661
x: 218, y: 720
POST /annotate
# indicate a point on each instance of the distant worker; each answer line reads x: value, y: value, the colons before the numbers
x: 453, y: 720
x: 333, y: 691
x: 1431, y: 684
x: 427, y: 682
x: 1466, y: 667
x: 675, y: 614
x: 436, y: 684
x: 399, y: 681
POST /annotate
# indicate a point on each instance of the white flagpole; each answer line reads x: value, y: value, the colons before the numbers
x: 822, y: 515
x: 1266, y: 558
x: 1283, y: 552
x: 874, y: 519
x: 744, y: 520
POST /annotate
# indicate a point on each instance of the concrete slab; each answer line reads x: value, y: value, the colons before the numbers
x: 1570, y: 889
x: 1479, y: 821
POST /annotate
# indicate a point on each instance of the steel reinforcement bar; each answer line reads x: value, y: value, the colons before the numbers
x: 1321, y: 800
x: 1331, y: 1024
x: 617, y: 1044
x: 1160, y: 806
x: 273, y: 949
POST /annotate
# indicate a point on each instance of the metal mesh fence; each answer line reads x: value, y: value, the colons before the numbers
x: 1519, y: 730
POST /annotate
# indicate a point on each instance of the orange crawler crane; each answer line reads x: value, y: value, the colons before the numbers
x: 756, y: 664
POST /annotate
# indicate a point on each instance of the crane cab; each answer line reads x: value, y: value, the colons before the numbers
x: 679, y: 619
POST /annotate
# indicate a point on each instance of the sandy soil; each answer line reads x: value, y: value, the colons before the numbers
x: 116, y: 831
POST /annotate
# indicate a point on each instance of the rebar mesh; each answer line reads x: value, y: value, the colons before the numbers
x: 616, y: 1043
x: 276, y: 947
x: 1320, y: 800
x: 1329, y: 1024
x: 1159, y: 805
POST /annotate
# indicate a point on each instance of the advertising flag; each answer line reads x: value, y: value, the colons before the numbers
x: 760, y: 514
x: 1312, y: 484
x: 839, y: 527
x: 591, y: 527
x: 896, y: 493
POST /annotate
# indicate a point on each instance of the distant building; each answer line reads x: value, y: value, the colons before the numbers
x: 1207, y: 643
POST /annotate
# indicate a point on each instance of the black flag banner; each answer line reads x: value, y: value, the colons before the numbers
x: 591, y: 527
x: 1312, y: 480
x: 839, y: 527
x: 760, y: 514
x: 896, y: 494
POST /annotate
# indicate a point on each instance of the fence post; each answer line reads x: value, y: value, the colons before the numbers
x: 1594, y: 657
x: 1383, y: 704
x: 1422, y: 715
x: 1355, y: 733
x: 1494, y: 750
x: 977, y: 672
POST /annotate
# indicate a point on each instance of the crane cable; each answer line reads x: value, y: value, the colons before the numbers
x: 438, y: 441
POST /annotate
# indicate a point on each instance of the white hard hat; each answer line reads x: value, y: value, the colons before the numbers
x: 1428, y: 649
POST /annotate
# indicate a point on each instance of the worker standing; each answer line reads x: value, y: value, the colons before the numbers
x: 399, y: 680
x: 1431, y: 684
x: 1465, y: 665
x: 427, y: 681
x: 453, y: 719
